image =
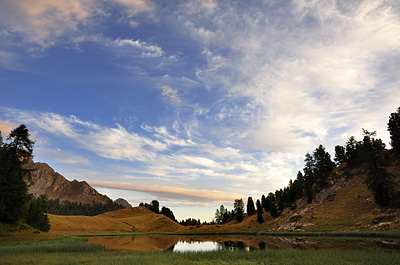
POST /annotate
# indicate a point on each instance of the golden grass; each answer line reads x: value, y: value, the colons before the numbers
x: 138, y: 219
x: 353, y: 208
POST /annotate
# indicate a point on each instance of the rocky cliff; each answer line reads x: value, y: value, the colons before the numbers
x: 46, y: 181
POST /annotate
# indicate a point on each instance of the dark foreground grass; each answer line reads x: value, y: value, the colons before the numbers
x: 217, y: 257
x: 77, y: 251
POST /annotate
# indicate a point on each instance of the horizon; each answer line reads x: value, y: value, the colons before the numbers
x: 195, y: 103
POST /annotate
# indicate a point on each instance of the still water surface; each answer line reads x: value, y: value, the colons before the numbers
x: 185, y: 246
x: 239, y: 242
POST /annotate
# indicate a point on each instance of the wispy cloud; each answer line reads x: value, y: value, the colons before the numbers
x: 312, y: 57
x: 160, y: 154
x: 242, y: 92
x: 171, y: 95
x: 171, y: 192
x: 6, y: 127
x: 148, y: 50
x: 47, y: 22
x: 62, y: 157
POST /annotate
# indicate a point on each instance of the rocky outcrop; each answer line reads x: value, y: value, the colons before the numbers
x: 123, y: 202
x: 46, y: 181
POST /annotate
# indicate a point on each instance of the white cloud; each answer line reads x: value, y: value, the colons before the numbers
x: 171, y: 192
x: 308, y: 71
x: 274, y: 81
x: 172, y: 95
x: 62, y: 157
x: 46, y: 22
x: 148, y: 50
x: 160, y: 154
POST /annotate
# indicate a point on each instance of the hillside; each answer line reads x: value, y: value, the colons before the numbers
x: 345, y: 205
x: 137, y: 219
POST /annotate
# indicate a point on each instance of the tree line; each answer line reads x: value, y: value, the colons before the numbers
x: 317, y: 173
x: 88, y: 209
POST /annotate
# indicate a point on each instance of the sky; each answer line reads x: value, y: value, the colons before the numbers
x: 195, y: 103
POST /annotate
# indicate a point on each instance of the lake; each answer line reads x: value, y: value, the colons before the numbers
x: 190, y: 243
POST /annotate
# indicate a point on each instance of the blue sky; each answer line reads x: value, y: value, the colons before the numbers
x: 195, y: 103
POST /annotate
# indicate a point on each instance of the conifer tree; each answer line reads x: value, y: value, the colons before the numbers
x: 340, y: 155
x: 274, y: 211
x: 259, y: 212
x: 13, y: 188
x: 37, y: 216
x: 238, y: 208
x: 394, y: 130
x: 250, y: 207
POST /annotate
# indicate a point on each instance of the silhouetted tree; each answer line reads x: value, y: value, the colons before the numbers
x: 238, y: 208
x: 250, y: 206
x: 167, y: 212
x: 353, y: 152
x: 13, y: 188
x: 371, y: 148
x: 221, y: 215
x: 259, y: 212
x: 155, y: 205
x: 323, y: 165
x: 20, y: 144
x: 190, y: 221
x: 378, y: 179
x: 340, y: 154
x: 273, y: 211
x: 394, y: 130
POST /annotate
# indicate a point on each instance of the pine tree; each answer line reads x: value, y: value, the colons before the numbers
x: 340, y: 155
x: 259, y: 212
x: 155, y: 206
x: 37, y: 216
x: 394, y: 130
x: 238, y: 208
x: 274, y: 211
x: 250, y: 207
x: 13, y: 188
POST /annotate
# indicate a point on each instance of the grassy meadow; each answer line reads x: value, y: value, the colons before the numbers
x: 78, y: 251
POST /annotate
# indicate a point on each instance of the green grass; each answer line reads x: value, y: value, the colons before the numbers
x: 353, y: 234
x: 217, y: 257
x: 77, y: 251
x: 48, y: 246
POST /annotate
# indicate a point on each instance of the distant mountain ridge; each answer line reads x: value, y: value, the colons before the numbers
x: 45, y: 181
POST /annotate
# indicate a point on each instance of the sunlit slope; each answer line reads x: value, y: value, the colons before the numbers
x: 344, y: 205
x: 138, y: 219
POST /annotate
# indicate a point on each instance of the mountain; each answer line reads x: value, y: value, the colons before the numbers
x: 55, y: 186
x: 123, y: 202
